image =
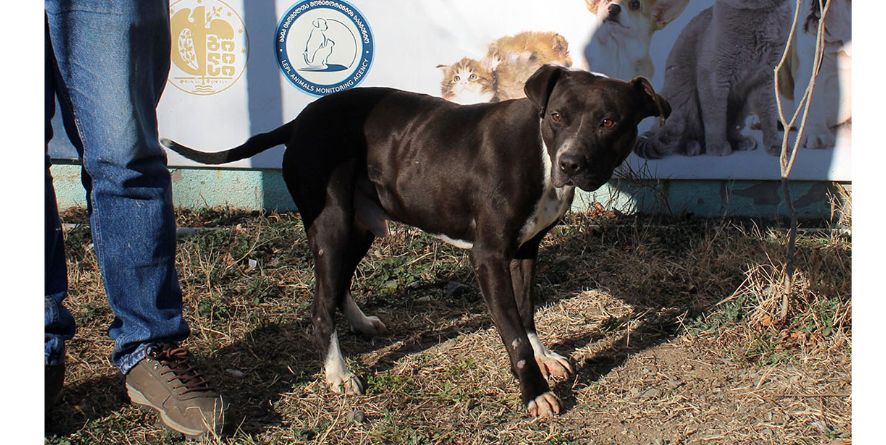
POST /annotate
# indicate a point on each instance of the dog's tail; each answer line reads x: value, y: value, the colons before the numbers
x: 251, y: 147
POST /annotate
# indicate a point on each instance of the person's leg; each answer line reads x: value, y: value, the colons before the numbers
x: 58, y: 324
x: 113, y: 59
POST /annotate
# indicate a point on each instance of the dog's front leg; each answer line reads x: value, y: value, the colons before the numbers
x: 491, y: 266
x: 522, y: 278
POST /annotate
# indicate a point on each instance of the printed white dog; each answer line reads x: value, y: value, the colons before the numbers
x: 319, y: 46
x: 832, y: 101
x: 619, y: 47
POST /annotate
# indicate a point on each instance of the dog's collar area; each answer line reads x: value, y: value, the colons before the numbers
x: 553, y: 202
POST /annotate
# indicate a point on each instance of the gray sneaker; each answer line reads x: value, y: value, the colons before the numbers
x: 164, y: 382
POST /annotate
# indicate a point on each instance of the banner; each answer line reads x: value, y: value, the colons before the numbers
x: 245, y: 67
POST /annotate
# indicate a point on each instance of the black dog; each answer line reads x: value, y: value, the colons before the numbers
x: 493, y: 178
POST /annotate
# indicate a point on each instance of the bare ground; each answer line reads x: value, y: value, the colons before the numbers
x: 632, y: 301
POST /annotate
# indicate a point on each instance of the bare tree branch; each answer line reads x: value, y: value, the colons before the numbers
x: 788, y: 155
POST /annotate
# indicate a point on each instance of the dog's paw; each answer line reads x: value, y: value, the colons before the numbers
x: 820, y: 138
x: 545, y: 405
x: 371, y: 326
x: 554, y: 365
x: 345, y: 383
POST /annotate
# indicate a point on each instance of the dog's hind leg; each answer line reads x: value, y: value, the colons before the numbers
x: 329, y: 250
x: 360, y: 322
x: 369, y: 325
x: 331, y: 240
x: 370, y: 220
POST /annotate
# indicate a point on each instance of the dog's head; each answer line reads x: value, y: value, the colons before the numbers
x: 320, y: 24
x: 639, y: 17
x: 589, y: 122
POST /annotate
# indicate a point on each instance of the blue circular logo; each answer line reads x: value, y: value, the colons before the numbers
x: 324, y: 46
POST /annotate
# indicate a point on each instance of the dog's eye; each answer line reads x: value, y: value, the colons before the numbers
x: 607, y: 123
x: 473, y: 77
x: 556, y: 117
x: 635, y: 4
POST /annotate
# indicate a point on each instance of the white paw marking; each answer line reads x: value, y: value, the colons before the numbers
x: 360, y: 322
x: 339, y: 378
x: 348, y: 384
x: 545, y: 405
x: 550, y: 363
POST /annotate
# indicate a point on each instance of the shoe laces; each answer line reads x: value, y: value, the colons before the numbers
x: 175, y: 358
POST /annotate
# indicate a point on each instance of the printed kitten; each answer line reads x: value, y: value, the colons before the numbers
x: 502, y: 73
x: 467, y: 81
x: 515, y: 58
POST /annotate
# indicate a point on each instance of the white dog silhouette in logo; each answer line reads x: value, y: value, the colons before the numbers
x: 319, y: 47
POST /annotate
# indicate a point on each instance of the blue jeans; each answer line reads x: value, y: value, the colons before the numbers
x: 107, y: 64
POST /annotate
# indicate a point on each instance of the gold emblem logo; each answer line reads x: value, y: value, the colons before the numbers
x: 209, y: 46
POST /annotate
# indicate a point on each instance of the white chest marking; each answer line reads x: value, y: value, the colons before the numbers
x: 461, y: 244
x: 553, y: 203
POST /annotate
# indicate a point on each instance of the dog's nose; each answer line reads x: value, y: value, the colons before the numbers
x: 614, y: 9
x: 571, y: 164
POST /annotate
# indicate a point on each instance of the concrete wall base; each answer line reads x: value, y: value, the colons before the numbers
x: 265, y: 189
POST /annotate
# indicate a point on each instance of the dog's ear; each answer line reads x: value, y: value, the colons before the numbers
x: 539, y: 86
x: 665, y: 11
x: 655, y: 105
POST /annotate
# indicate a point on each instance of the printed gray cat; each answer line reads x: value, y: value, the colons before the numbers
x: 719, y: 72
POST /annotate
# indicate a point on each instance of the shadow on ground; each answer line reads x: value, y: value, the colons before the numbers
x: 280, y: 357
x: 84, y: 402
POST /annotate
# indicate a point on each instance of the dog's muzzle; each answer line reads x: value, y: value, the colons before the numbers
x: 571, y: 165
x: 573, y: 170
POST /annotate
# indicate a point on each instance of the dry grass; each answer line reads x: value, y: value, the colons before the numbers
x: 632, y: 301
x: 841, y: 206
